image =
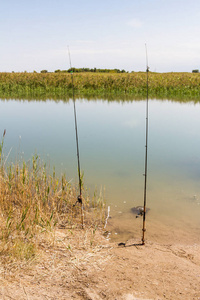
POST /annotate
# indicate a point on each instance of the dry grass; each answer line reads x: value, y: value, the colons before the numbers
x: 34, y: 203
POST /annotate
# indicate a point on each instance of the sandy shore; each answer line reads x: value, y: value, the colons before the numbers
x: 84, y: 265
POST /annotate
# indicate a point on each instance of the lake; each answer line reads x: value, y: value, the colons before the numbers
x: 112, y: 150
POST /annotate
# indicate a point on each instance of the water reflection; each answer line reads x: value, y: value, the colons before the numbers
x: 108, y: 97
x: 112, y: 139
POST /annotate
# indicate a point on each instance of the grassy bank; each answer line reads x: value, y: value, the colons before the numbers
x: 33, y: 203
x: 100, y: 85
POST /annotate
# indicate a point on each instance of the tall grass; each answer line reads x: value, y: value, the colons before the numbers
x: 161, y: 85
x: 33, y: 203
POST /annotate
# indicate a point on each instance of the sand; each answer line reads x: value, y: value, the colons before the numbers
x: 84, y: 265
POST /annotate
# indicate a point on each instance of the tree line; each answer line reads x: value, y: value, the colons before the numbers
x: 80, y: 70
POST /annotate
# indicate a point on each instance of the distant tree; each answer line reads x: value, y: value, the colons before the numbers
x: 44, y: 71
x: 95, y: 70
x: 71, y: 70
x: 195, y: 71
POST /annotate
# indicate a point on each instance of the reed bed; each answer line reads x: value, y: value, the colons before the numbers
x: 35, y: 203
x: 106, y: 85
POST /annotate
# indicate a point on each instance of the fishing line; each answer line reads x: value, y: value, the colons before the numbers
x: 146, y: 149
x: 79, y: 198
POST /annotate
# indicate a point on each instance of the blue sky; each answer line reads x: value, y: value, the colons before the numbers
x: 34, y: 35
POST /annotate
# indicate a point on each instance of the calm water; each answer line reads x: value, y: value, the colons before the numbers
x: 112, y: 145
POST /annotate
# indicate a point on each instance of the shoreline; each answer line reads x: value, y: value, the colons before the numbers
x: 162, y: 230
x: 103, y: 270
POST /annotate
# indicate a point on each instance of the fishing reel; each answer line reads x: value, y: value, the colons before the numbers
x: 79, y: 200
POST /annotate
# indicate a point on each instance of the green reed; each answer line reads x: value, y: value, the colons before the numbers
x: 34, y: 202
x: 100, y: 85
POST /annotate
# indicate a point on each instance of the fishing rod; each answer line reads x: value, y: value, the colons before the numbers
x: 79, y: 198
x: 146, y: 149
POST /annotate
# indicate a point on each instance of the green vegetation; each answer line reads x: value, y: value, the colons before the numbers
x: 195, y: 71
x: 100, y: 85
x: 33, y: 203
x: 95, y: 70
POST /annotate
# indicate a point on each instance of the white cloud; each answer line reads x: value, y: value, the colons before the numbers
x: 135, y: 23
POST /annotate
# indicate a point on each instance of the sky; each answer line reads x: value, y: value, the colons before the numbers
x: 35, y: 35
